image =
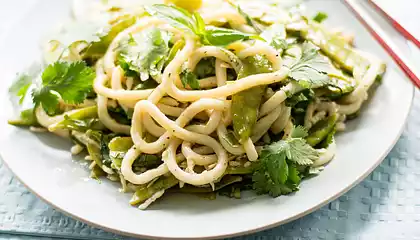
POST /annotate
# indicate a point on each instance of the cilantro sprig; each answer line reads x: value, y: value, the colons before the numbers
x: 277, y: 172
x: 70, y: 82
x: 145, y: 53
x: 194, y: 24
x: 311, y: 70
x: 275, y: 35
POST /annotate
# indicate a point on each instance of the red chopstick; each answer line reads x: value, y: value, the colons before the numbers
x: 387, y: 43
x: 396, y: 24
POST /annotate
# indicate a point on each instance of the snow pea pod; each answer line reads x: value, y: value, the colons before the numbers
x: 144, y: 193
x: 226, y: 181
x: 119, y: 146
x: 321, y: 130
x: 245, y: 104
x: 27, y: 118
x: 77, y: 114
x: 334, y: 46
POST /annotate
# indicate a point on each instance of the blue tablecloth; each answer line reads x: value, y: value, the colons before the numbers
x: 386, y: 205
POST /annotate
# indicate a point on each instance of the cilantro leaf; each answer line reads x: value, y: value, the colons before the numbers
x: 194, y: 24
x: 276, y: 36
x: 69, y: 81
x: 188, y: 78
x: 311, y: 71
x: 145, y: 53
x: 300, y: 152
x: 263, y: 184
x: 277, y: 167
x: 299, y: 132
x: 276, y: 173
x: 296, y: 150
x: 320, y: 17
x: 294, y: 175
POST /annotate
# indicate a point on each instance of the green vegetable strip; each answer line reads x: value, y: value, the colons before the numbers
x: 144, y: 193
x: 27, y: 118
x: 226, y: 181
x: 333, y: 46
x: 95, y: 153
x: 119, y: 146
x: 174, y: 50
x: 98, y: 48
x: 245, y: 104
x: 78, y: 114
x: 245, y: 107
x: 321, y: 130
x: 240, y: 170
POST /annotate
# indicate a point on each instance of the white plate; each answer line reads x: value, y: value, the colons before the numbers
x: 43, y: 162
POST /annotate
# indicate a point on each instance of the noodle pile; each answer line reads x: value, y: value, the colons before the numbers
x: 190, y: 129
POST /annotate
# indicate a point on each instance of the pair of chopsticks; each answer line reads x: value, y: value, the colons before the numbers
x: 387, y: 43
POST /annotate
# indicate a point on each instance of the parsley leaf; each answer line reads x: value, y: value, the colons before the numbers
x: 194, y: 24
x: 320, y: 17
x: 277, y: 173
x: 145, y: 53
x: 69, y: 81
x: 188, y: 78
x: 312, y: 68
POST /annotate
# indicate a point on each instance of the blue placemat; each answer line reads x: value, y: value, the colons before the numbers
x: 386, y: 205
